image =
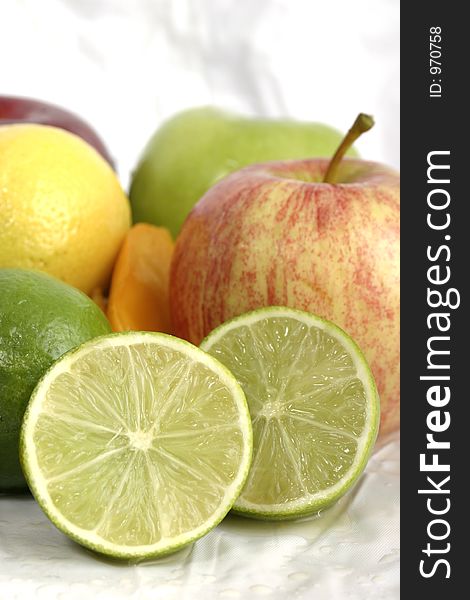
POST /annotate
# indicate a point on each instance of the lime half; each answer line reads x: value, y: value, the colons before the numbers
x: 313, y: 403
x: 136, y: 444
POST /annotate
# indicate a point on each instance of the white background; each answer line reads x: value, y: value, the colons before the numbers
x: 125, y: 65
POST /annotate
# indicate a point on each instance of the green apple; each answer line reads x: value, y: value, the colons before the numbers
x: 198, y: 147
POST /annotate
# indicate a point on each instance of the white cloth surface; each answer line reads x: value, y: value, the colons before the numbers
x: 351, y: 551
x: 125, y: 65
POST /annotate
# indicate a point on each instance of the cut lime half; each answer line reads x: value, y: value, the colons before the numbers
x: 313, y: 403
x: 136, y: 444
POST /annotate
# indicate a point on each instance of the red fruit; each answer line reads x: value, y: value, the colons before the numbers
x: 14, y: 109
x: 276, y: 234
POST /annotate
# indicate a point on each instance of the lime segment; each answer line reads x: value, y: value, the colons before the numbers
x: 313, y: 403
x: 136, y: 444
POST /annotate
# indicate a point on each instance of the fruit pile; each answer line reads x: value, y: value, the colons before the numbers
x: 155, y: 375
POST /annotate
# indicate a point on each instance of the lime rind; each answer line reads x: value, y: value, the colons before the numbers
x: 38, y: 484
x: 310, y: 503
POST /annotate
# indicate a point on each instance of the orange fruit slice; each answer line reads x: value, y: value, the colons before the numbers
x: 138, y: 298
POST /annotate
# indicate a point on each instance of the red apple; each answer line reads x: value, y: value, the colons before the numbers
x: 276, y: 234
x: 27, y: 110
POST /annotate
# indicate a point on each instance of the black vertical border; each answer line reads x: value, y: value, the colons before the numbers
x: 429, y: 124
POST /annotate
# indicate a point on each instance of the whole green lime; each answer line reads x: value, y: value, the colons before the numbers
x: 40, y: 319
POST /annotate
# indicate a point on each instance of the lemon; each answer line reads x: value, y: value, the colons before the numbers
x: 40, y: 319
x: 62, y: 208
x: 313, y: 403
x: 136, y: 444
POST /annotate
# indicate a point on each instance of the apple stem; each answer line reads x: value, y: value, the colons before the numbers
x: 361, y: 124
